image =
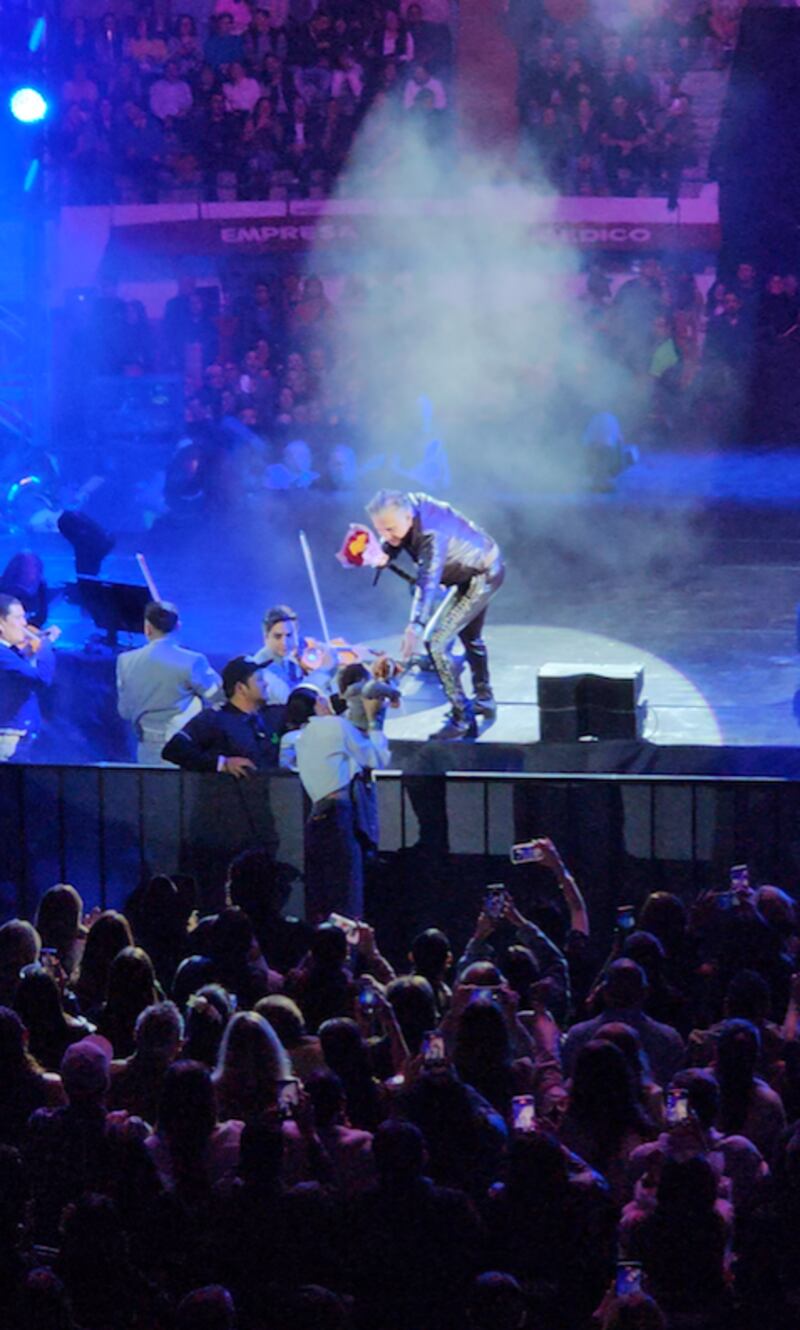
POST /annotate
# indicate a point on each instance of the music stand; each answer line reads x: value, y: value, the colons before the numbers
x: 116, y: 607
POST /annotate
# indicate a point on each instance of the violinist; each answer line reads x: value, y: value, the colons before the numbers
x: 161, y: 685
x: 27, y: 667
x: 280, y: 655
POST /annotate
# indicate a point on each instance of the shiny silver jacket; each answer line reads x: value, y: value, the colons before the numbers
x: 448, y: 548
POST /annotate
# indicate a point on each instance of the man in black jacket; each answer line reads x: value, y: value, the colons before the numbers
x: 453, y: 552
x: 239, y: 739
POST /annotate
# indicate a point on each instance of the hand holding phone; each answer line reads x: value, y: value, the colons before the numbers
x: 348, y: 926
x: 433, y: 1051
x: 527, y: 852
x: 523, y: 1114
x: 740, y: 877
x: 540, y: 850
x: 628, y: 1279
x: 368, y: 999
x: 49, y: 959
x: 626, y: 918
x: 494, y: 902
x: 288, y: 1098
x: 676, y: 1106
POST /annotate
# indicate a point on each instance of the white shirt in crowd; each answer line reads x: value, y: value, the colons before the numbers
x: 330, y: 751
x: 242, y: 96
x: 352, y: 79
x: 168, y: 98
x: 391, y: 49
x: 413, y: 89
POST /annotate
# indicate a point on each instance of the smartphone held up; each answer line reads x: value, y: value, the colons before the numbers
x: 676, y: 1106
x: 523, y: 1114
x: 494, y: 902
x: 433, y: 1051
x: 628, y: 1279
x: 527, y: 852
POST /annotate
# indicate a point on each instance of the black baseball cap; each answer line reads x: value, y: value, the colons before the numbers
x: 238, y: 670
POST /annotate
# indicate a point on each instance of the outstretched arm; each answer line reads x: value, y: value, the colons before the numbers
x: 578, y: 913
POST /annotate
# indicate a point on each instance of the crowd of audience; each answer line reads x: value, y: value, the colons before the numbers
x: 234, y: 99
x: 602, y: 108
x: 605, y: 126
x: 238, y: 100
x: 696, y: 355
x: 266, y: 399
x: 269, y: 403
x: 241, y: 1121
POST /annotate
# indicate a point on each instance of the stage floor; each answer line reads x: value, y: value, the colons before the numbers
x: 675, y: 710
x: 691, y: 568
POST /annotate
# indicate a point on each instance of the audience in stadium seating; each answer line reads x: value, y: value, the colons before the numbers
x: 272, y: 403
x: 602, y: 110
x: 387, y: 1174
x: 245, y: 102
x: 251, y: 101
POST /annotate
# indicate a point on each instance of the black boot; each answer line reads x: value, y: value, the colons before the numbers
x: 458, y: 725
x: 483, y: 703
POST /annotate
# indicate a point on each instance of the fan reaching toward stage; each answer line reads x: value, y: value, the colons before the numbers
x: 453, y: 552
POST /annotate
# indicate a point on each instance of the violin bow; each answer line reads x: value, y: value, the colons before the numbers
x: 312, y: 577
x: 148, y: 577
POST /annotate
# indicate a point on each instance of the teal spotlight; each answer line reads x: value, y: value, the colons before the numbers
x: 37, y: 35
x: 28, y: 105
x: 30, y: 176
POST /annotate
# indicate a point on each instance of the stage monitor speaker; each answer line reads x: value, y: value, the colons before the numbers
x: 580, y: 701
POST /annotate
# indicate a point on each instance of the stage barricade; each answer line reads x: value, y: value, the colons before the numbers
x: 443, y: 837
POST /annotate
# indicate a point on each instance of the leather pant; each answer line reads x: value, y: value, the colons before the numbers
x: 462, y: 614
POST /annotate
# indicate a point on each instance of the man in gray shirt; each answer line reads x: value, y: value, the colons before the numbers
x: 161, y: 685
x: 334, y: 759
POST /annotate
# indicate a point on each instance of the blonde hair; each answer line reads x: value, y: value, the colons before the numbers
x: 251, y: 1056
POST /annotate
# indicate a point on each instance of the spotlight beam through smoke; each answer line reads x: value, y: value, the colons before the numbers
x: 460, y: 300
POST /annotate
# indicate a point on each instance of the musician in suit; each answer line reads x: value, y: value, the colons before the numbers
x: 278, y: 655
x: 161, y: 685
x: 24, y: 677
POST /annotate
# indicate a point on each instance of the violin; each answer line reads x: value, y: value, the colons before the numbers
x: 317, y: 655
x: 35, y: 638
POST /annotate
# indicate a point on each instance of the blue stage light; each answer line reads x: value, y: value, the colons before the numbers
x: 28, y: 105
x: 37, y: 35
x: 31, y: 175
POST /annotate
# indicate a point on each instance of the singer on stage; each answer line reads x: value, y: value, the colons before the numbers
x: 453, y: 552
